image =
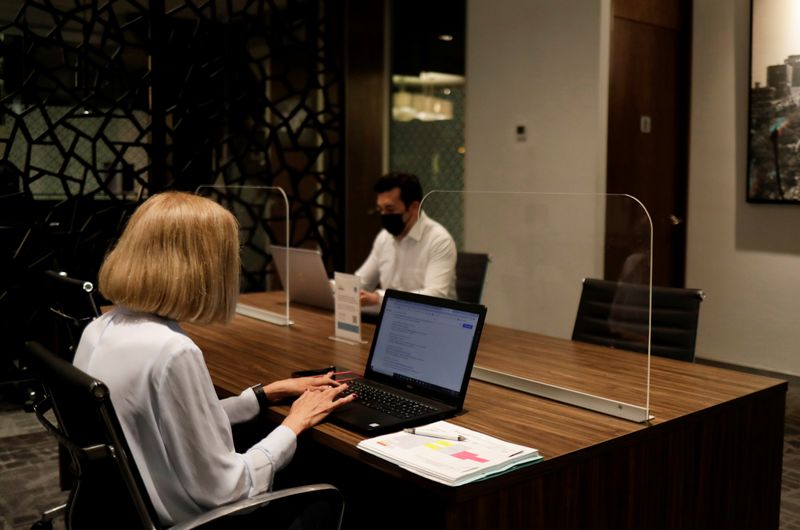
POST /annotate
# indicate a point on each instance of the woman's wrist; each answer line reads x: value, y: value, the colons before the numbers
x: 262, y: 397
x: 295, y: 424
x: 274, y: 392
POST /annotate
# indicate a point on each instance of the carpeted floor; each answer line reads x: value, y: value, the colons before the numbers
x: 28, y: 470
x: 29, y: 474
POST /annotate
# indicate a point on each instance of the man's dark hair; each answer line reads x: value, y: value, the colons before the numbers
x: 410, y: 188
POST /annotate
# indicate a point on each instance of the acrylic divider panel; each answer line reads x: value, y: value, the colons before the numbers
x: 570, y: 267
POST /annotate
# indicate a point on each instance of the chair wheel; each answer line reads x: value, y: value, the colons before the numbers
x: 42, y: 525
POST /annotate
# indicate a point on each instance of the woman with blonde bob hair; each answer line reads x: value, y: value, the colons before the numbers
x: 178, y: 260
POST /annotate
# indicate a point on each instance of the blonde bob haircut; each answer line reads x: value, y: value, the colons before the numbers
x: 177, y: 258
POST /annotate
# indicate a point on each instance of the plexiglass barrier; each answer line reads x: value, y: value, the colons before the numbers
x: 263, y: 215
x: 568, y: 280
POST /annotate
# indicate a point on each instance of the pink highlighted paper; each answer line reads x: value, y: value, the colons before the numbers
x: 466, y: 455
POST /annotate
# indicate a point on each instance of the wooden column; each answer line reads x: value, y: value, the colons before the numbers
x: 365, y: 104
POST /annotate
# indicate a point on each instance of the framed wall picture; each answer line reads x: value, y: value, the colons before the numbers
x: 773, y: 152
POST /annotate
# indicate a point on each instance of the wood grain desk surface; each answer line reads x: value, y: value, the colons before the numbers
x: 247, y: 351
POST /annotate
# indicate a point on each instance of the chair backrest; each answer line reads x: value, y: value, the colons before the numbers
x: 615, y: 314
x: 108, y: 491
x: 71, y: 307
x: 471, y: 268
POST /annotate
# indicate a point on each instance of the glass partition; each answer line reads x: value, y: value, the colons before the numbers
x: 263, y: 215
x: 571, y: 273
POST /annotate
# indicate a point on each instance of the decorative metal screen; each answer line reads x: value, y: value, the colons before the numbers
x: 104, y: 103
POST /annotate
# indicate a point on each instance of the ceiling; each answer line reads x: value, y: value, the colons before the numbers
x: 420, y: 31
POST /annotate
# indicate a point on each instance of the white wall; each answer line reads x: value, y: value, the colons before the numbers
x: 543, y: 65
x: 746, y: 257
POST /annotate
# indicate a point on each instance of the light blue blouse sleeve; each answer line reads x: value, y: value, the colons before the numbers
x: 241, y: 408
x: 196, y: 433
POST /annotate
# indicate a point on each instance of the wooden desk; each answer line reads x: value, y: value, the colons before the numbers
x: 711, y: 458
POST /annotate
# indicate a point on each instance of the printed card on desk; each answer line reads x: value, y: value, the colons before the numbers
x: 348, y: 307
x: 450, y: 454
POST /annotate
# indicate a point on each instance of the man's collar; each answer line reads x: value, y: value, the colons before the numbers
x: 416, y: 231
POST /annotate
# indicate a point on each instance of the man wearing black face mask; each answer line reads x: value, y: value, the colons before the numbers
x: 412, y: 252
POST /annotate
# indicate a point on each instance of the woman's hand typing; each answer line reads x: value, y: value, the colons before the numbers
x: 295, y: 386
x: 314, y: 405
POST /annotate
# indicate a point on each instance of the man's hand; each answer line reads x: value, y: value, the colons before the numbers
x: 368, y: 298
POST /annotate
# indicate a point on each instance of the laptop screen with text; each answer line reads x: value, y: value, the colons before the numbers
x: 426, y: 345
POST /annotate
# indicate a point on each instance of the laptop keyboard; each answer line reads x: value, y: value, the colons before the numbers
x: 386, y: 402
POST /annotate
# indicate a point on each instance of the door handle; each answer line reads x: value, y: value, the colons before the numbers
x: 675, y: 220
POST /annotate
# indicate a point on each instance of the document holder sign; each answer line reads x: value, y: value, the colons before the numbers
x: 348, y: 308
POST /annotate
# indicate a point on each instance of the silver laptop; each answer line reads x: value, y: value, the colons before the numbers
x: 307, y: 279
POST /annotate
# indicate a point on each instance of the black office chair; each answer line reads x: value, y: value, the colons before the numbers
x: 71, y: 304
x: 615, y: 314
x: 68, y: 307
x: 108, y: 491
x: 471, y: 269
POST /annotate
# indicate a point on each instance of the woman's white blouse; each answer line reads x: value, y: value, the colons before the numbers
x: 178, y: 431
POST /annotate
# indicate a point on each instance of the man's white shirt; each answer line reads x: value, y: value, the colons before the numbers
x: 424, y: 261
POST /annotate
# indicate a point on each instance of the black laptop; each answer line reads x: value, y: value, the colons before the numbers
x: 419, y: 364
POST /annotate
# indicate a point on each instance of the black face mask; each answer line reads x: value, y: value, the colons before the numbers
x: 393, y: 223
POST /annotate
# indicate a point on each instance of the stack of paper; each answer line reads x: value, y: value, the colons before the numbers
x: 456, y: 457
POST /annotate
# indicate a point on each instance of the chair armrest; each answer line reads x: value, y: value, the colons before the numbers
x: 251, y: 503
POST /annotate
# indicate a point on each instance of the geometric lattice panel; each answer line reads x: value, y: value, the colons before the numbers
x: 116, y: 100
x: 74, y: 105
x: 284, y: 127
x: 103, y: 103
